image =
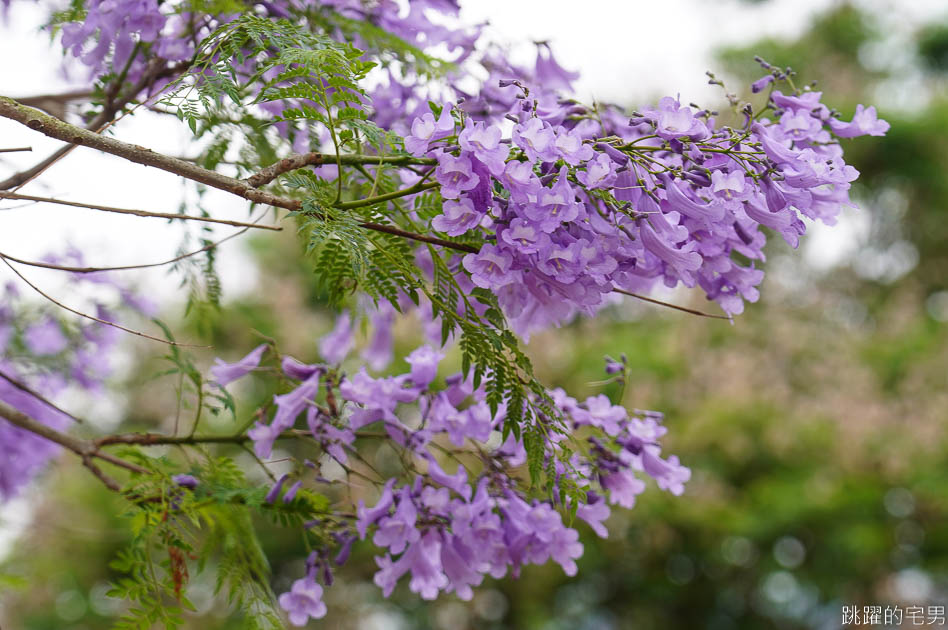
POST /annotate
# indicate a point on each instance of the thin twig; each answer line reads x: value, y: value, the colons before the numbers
x: 54, y: 128
x: 26, y: 388
x: 674, y: 306
x: 137, y: 213
x: 16, y: 149
x: 98, y: 124
x: 42, y: 265
x: 92, y: 317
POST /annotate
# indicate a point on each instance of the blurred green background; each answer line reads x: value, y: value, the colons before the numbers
x: 815, y: 426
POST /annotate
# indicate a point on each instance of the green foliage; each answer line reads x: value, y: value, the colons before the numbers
x: 176, y: 529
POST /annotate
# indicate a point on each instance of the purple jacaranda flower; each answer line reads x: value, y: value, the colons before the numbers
x: 45, y: 338
x: 864, y: 123
x: 455, y: 174
x: 799, y: 125
x: 669, y: 474
x: 565, y: 548
x: 549, y: 73
x: 785, y: 222
x: 291, y: 492
x: 605, y: 415
x: 613, y: 366
x: 377, y: 393
x: 274, y: 493
x: 490, y: 267
x: 673, y: 121
x: 263, y: 437
x: 596, y: 261
x: 457, y: 217
x: 336, y: 345
x: 729, y: 185
x: 298, y: 370
x: 594, y: 512
x: 304, y: 600
x: 536, y: 138
x: 623, y: 486
x: 676, y: 200
x: 563, y: 262
x: 427, y: 576
x: 776, y: 149
x: 366, y: 517
x: 806, y: 102
x: 570, y: 146
x: 456, y: 482
x: 484, y: 141
x: 521, y: 181
x: 225, y: 373
x: 761, y: 83
x: 600, y: 172
x: 424, y: 365
x: 398, y: 530
x: 331, y: 438
x: 555, y: 205
x: 292, y: 404
x: 526, y: 237
x: 458, y: 562
x: 378, y: 353
x: 185, y: 481
x: 684, y: 260
x: 425, y: 130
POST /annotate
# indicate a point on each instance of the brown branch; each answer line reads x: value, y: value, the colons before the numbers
x: 294, y: 162
x: 47, y: 125
x: 674, y: 306
x: 16, y: 150
x: 156, y: 71
x: 137, y: 213
x: 86, y: 450
x: 92, y: 317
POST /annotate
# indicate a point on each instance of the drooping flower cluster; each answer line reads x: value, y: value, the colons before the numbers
x: 447, y: 530
x: 586, y: 208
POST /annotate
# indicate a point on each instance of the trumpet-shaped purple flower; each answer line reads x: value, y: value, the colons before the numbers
x: 457, y: 217
x: 490, y: 267
x: 336, y: 345
x: 424, y: 365
x: 484, y: 142
x: 864, y: 123
x: 537, y: 139
x: 225, y: 373
x: 455, y: 174
x: 525, y: 237
x: 304, y: 600
x: 426, y: 129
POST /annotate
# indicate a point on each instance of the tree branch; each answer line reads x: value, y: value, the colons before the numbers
x: 87, y: 450
x: 137, y: 213
x: 294, y: 162
x: 668, y: 305
x: 54, y: 128
x: 153, y: 73
x: 92, y: 317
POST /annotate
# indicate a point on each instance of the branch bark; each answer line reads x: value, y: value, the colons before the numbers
x: 54, y: 128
